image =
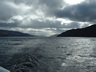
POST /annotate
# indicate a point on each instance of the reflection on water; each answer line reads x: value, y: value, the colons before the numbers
x: 48, y: 54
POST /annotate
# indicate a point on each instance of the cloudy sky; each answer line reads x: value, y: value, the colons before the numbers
x: 46, y: 17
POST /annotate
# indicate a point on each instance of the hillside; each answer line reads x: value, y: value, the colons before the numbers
x: 83, y: 32
x: 7, y: 33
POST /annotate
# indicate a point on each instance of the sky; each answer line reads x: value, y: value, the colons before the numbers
x: 46, y: 17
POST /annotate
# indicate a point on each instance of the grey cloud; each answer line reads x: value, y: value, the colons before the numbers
x: 48, y: 27
x: 48, y: 3
x: 49, y: 24
x: 50, y: 8
x: 36, y: 24
x: 86, y: 11
x: 52, y: 3
x: 42, y: 24
x: 9, y: 25
x: 33, y: 3
x: 74, y: 25
x: 6, y: 11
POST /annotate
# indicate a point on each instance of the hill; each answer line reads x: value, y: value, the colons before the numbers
x: 7, y: 33
x: 83, y: 32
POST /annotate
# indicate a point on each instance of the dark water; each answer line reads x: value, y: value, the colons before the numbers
x: 48, y: 54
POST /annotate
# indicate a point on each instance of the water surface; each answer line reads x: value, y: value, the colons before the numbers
x: 19, y: 54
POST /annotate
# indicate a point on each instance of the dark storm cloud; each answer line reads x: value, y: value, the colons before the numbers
x: 86, y: 11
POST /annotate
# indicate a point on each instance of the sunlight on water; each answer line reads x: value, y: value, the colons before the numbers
x: 48, y: 54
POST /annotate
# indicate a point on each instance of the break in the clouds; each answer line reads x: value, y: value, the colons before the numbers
x: 46, y: 17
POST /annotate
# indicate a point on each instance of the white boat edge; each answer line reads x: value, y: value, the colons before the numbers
x: 3, y: 69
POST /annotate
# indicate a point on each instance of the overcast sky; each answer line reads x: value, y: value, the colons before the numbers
x: 46, y: 17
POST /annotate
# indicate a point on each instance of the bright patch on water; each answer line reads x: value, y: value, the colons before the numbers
x: 48, y: 54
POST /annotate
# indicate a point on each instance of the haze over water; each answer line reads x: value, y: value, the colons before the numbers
x: 48, y: 54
